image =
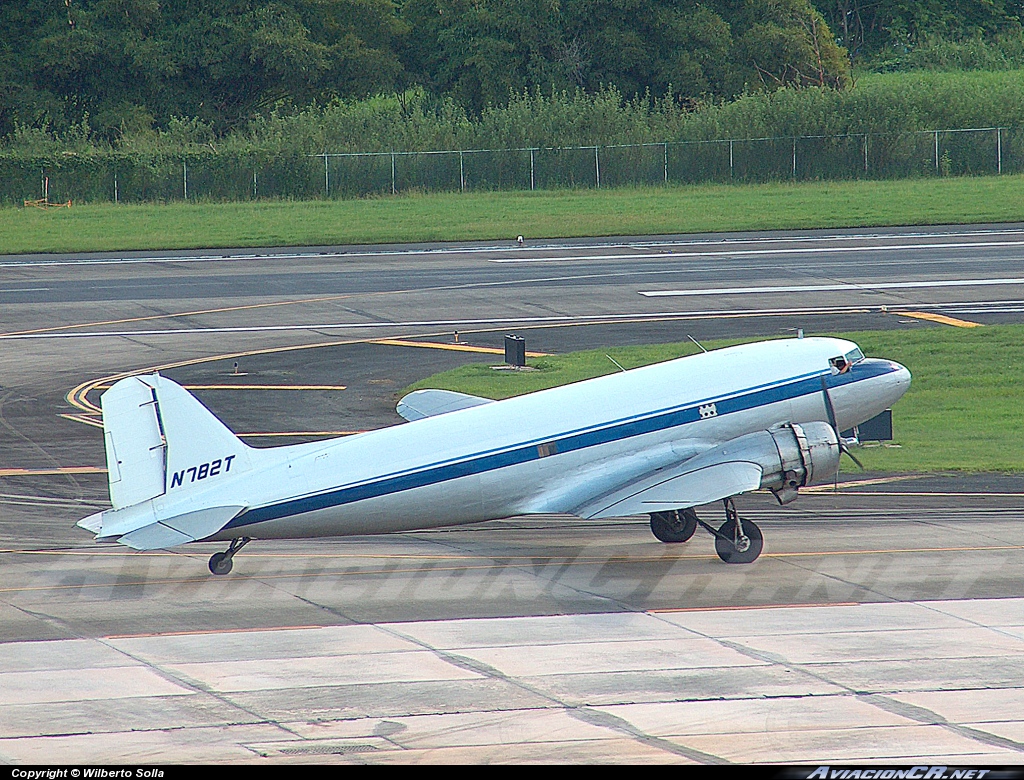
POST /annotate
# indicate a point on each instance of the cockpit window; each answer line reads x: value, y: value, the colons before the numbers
x: 842, y: 363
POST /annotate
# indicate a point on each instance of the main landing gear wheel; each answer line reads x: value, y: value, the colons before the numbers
x: 675, y: 526
x: 220, y: 563
x: 738, y: 541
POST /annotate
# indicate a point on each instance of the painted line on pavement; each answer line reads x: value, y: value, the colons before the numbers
x: 591, y: 319
x: 249, y: 387
x: 551, y: 245
x: 844, y: 287
x: 859, y: 483
x: 758, y: 252
x: 451, y: 347
x: 300, y: 433
x: 16, y: 472
x: 940, y: 318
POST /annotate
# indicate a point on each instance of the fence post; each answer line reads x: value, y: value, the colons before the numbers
x: 327, y: 178
x: 532, y: 182
x: 597, y: 167
x: 936, y: 151
x: 666, y: 163
x: 394, y: 190
x: 865, y: 152
x: 462, y: 173
x: 794, y: 156
x: 184, y: 177
x: 999, y: 150
x: 255, y: 189
x: 730, y: 159
x: 115, y: 187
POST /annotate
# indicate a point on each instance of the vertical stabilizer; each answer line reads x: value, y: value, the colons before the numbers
x: 161, y: 440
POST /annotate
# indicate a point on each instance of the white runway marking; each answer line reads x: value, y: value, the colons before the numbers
x: 540, y: 245
x: 525, y: 322
x: 844, y: 287
x: 456, y: 324
x: 756, y: 252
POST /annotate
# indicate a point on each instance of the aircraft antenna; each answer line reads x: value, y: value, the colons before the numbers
x: 616, y: 363
x: 691, y: 338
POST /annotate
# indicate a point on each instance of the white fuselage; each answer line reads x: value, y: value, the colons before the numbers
x: 550, y: 451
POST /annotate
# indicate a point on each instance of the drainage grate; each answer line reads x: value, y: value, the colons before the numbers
x: 324, y: 750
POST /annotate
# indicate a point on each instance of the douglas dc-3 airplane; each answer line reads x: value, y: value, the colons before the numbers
x: 655, y: 441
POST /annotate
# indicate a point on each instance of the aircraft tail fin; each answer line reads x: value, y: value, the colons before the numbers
x: 159, y: 438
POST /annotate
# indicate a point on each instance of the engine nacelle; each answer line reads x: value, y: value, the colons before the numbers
x: 808, y: 454
x: 791, y: 456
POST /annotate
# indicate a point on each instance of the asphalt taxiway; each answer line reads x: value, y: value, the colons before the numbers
x: 885, y: 621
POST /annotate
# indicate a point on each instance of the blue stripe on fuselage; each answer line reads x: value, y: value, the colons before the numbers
x: 567, y: 441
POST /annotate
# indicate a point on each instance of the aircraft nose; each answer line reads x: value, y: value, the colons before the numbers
x: 900, y: 378
x: 902, y: 373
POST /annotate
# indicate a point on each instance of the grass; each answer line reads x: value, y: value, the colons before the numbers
x: 481, y: 216
x: 963, y: 412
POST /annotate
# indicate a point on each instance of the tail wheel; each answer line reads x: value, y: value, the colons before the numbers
x: 738, y: 541
x: 675, y: 526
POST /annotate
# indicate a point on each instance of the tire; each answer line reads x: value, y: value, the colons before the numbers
x: 675, y: 526
x: 726, y: 549
x: 220, y: 563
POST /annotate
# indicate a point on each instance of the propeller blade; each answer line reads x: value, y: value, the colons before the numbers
x: 846, y: 451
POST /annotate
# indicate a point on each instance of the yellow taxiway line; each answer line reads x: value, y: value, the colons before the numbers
x: 858, y: 483
x: 940, y: 318
x: 301, y: 433
x: 248, y: 387
x: 451, y: 347
x: 49, y: 472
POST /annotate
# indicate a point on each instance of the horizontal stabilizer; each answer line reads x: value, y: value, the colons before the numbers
x: 93, y: 522
x: 142, y: 531
x: 428, y: 403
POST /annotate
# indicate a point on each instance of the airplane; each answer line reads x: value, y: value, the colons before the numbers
x: 657, y: 440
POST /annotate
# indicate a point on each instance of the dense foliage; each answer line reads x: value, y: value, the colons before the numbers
x: 128, y: 65
x: 884, y: 32
x: 311, y: 75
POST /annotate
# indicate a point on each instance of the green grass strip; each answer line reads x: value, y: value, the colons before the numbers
x: 964, y: 410
x: 504, y: 215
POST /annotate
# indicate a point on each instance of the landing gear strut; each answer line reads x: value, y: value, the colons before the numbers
x: 675, y: 526
x: 736, y: 541
x: 220, y: 563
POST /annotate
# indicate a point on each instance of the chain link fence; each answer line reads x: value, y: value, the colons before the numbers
x: 236, y: 177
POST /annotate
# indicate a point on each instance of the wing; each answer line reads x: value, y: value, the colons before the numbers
x: 677, y: 489
x: 428, y: 403
x: 724, y: 470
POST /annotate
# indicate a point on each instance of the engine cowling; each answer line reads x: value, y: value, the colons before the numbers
x: 808, y: 454
x: 790, y: 456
